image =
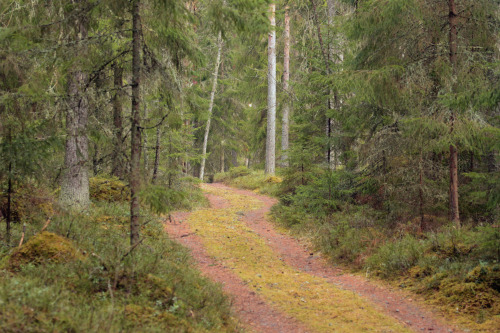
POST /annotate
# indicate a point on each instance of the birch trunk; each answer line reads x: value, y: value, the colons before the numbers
x: 285, y: 126
x: 75, y: 179
x: 211, y: 105
x: 271, y: 96
x: 453, y: 40
x: 135, y: 153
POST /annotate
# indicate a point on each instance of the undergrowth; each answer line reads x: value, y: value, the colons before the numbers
x: 80, y: 275
x: 457, y: 270
x: 255, y: 180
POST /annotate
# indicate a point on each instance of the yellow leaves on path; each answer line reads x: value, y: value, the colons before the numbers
x: 312, y: 300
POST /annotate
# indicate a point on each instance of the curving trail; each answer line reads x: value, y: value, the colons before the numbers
x: 276, y: 283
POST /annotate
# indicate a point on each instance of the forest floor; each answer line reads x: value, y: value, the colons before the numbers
x: 277, y: 284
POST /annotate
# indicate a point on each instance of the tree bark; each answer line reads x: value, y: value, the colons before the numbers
x: 285, y: 127
x: 222, y: 159
x: 157, y: 156
x: 9, y: 205
x: 327, y: 67
x: 211, y: 105
x: 145, y: 145
x: 271, y: 96
x: 118, y: 168
x: 75, y: 179
x: 453, y: 40
x: 135, y: 154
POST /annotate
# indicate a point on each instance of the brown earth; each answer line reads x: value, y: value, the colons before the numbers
x: 259, y: 316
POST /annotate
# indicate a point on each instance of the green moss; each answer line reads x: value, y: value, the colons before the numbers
x: 108, y: 189
x: 145, y: 316
x: 43, y: 248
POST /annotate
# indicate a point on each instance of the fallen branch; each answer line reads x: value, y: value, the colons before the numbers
x: 22, y: 236
x: 132, y: 249
x: 46, y: 224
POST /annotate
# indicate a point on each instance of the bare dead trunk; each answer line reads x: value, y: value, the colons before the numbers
x: 157, y: 155
x: 285, y: 127
x: 211, y: 105
x: 135, y: 154
x: 271, y: 96
x: 453, y: 40
x: 118, y: 168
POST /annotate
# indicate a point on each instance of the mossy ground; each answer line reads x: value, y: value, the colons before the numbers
x: 310, y: 299
x: 79, y: 277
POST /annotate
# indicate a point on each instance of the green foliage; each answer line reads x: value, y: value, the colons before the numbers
x: 109, y: 287
x: 395, y: 257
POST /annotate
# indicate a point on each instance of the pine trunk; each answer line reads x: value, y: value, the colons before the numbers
x: 211, y: 106
x: 271, y: 96
x: 135, y: 154
x: 453, y: 40
x: 285, y: 127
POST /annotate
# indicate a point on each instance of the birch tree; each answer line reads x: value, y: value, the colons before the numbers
x: 271, y: 96
x: 211, y: 105
x: 285, y: 127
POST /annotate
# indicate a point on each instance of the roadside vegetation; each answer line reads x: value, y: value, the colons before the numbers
x: 457, y: 270
x: 81, y: 275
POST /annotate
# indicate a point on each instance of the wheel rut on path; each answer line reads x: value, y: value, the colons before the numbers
x: 277, y: 284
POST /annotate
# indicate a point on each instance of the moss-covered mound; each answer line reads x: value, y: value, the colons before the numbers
x: 43, y: 248
x: 108, y: 189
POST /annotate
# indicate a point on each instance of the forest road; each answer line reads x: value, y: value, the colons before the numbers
x: 277, y: 284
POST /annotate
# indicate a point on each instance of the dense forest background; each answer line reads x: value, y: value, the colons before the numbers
x: 385, y: 132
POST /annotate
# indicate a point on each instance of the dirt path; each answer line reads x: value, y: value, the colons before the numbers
x: 277, y: 284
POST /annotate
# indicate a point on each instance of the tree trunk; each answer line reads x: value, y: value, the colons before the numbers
x: 332, y: 151
x: 157, y: 155
x: 9, y: 205
x: 135, y: 154
x: 222, y: 160
x: 453, y: 40
x: 117, y: 168
x: 211, y: 105
x: 271, y: 96
x: 285, y: 127
x: 327, y: 67
x: 75, y: 179
x: 145, y: 145
x: 234, y: 158
x: 421, y: 191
